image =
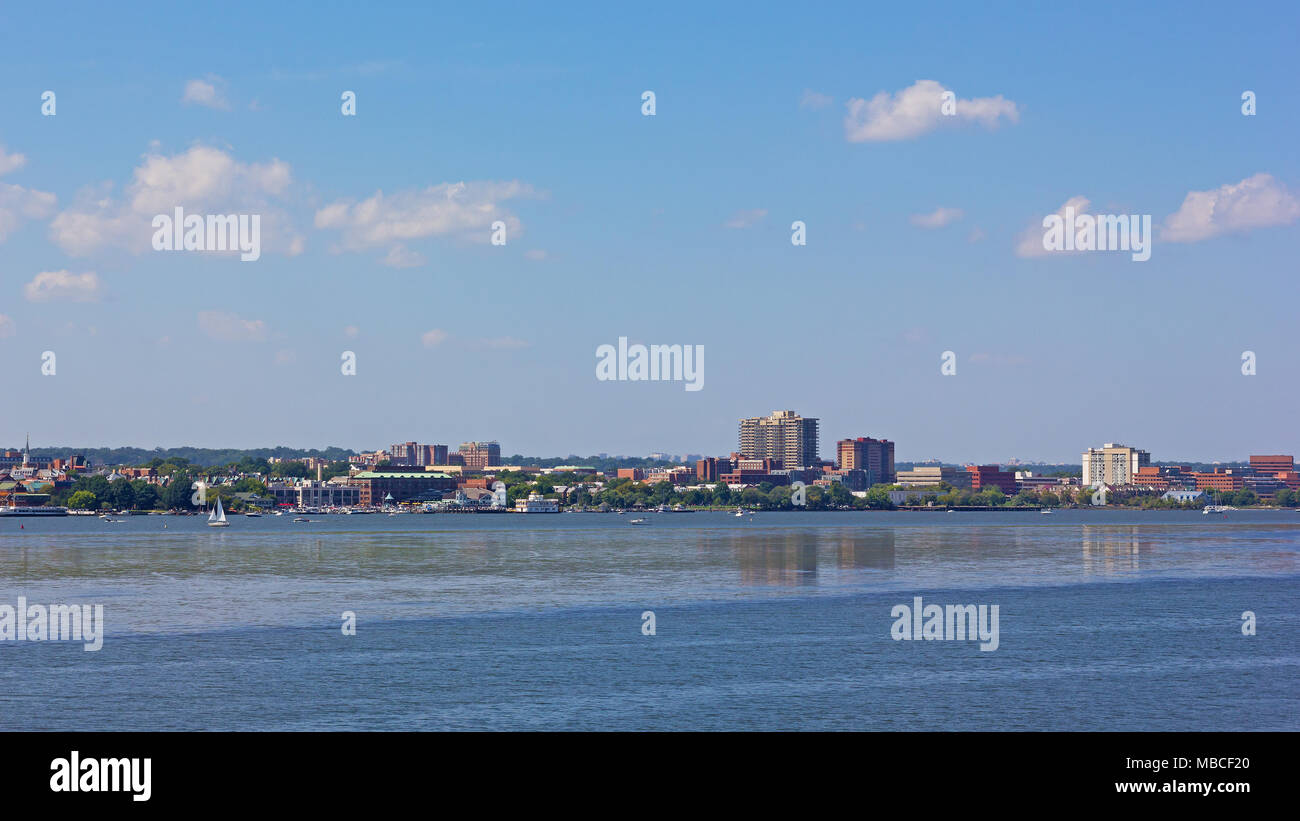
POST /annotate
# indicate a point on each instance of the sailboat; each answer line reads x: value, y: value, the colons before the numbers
x: 217, y: 517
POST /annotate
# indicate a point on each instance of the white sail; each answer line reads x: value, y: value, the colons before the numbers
x: 217, y: 515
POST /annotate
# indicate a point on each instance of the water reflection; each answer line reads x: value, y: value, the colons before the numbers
x: 1109, y: 550
x: 791, y: 557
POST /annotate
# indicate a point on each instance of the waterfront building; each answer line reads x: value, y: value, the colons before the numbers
x: 875, y: 456
x: 1272, y: 465
x: 986, y: 476
x: 783, y: 435
x: 480, y: 455
x: 1221, y: 479
x: 402, y: 485
x: 537, y: 503
x: 932, y: 476
x: 1113, y: 464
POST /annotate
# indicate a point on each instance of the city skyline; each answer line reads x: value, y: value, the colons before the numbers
x: 921, y: 229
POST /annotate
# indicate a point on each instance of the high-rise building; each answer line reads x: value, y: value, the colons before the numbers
x: 874, y: 456
x: 403, y: 454
x: 784, y: 435
x: 1113, y: 464
x: 480, y: 455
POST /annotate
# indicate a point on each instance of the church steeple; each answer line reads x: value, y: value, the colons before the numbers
x: 27, y: 451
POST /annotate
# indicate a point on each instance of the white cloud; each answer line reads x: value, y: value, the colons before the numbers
x: 352, y: 331
x: 976, y: 234
x: 812, y: 100
x: 744, y: 219
x: 285, y: 357
x: 208, y: 92
x: 433, y: 338
x: 10, y: 162
x: 49, y: 286
x: 1030, y: 242
x: 1255, y: 202
x: 202, y: 180
x: 7, y: 327
x: 399, y: 256
x: 938, y: 218
x: 226, y: 327
x: 464, y: 210
x: 536, y: 254
x: 18, y: 204
x: 917, y: 110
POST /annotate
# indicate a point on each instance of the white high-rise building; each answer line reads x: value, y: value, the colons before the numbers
x: 1113, y: 464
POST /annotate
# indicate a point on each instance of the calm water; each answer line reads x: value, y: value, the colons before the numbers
x: 1108, y: 620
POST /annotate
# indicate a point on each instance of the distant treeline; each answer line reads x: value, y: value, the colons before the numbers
x: 202, y: 457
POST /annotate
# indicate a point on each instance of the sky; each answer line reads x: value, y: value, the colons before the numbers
x: 923, y: 230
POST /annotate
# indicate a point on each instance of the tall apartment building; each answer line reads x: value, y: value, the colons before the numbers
x: 784, y: 435
x: 403, y: 454
x: 480, y: 455
x: 874, y: 456
x: 1113, y: 464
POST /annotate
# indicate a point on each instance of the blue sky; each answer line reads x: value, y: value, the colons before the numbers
x: 671, y: 229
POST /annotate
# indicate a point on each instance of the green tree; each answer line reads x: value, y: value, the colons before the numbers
x: 122, y: 495
x: 83, y: 500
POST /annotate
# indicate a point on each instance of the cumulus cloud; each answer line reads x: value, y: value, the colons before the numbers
x: 226, y: 327
x: 937, y: 218
x: 10, y: 162
x: 208, y: 92
x: 202, y: 180
x: 49, y: 286
x: 744, y: 219
x: 917, y: 110
x: 812, y: 100
x: 1030, y: 242
x: 463, y: 210
x: 18, y: 203
x: 399, y: 256
x: 433, y: 338
x: 1255, y: 202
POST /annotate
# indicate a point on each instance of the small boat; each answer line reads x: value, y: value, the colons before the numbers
x: 636, y: 521
x: 217, y: 518
x: 740, y: 514
x: 1045, y: 511
x: 301, y: 519
x: 253, y: 515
